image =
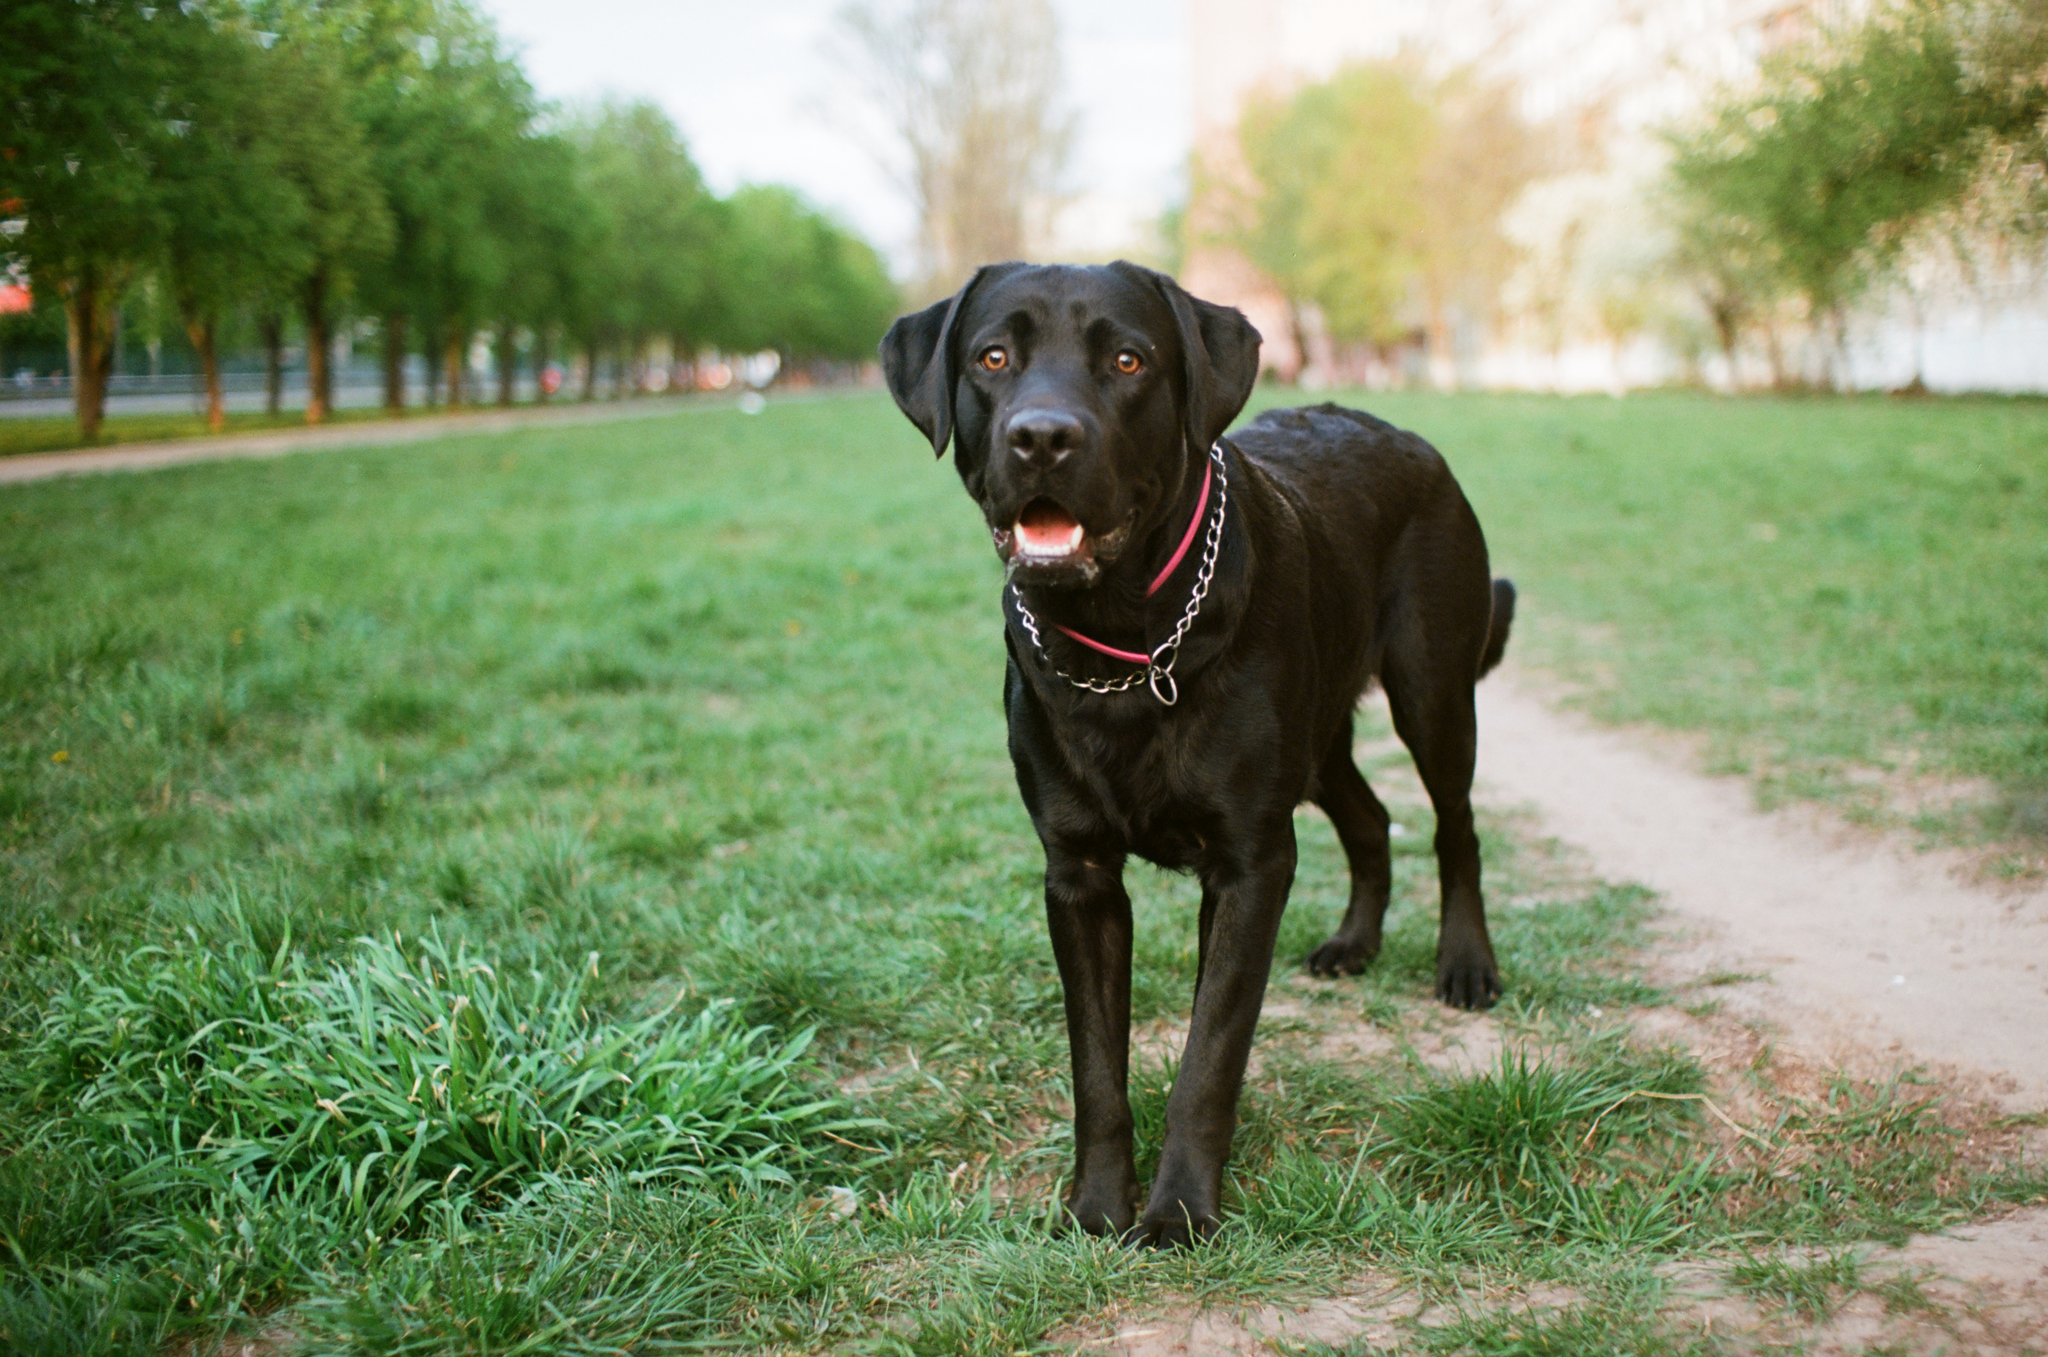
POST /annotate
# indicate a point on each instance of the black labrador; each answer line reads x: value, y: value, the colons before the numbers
x: 1191, y: 622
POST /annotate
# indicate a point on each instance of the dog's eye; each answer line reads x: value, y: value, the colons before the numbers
x: 996, y: 359
x: 1128, y: 362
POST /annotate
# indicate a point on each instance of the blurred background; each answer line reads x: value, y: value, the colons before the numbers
x: 307, y: 206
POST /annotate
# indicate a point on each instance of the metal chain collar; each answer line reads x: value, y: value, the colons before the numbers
x: 1158, y: 674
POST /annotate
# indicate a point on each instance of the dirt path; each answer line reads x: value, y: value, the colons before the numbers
x: 413, y: 429
x: 1868, y: 953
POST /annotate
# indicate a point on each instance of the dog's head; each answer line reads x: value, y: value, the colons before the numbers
x: 1079, y: 402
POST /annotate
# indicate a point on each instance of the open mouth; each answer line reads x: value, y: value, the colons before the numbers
x: 1048, y: 545
x: 1047, y: 534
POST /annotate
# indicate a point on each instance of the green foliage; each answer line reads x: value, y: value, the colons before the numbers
x: 1380, y: 195
x: 85, y: 96
x: 1340, y: 173
x: 261, y: 156
x: 799, y: 282
x: 1813, y: 183
x: 656, y: 225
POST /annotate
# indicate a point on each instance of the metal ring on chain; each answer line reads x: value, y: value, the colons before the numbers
x: 1158, y: 674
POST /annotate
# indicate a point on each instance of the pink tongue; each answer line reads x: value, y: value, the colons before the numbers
x: 1048, y: 529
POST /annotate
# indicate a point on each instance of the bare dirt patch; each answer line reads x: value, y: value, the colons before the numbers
x: 1374, y: 1308
x: 1980, y: 1289
x: 1864, y: 950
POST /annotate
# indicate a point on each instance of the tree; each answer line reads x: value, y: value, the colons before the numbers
x: 652, y: 270
x: 1724, y: 261
x: 1340, y: 174
x: 324, y: 153
x: 442, y: 106
x: 971, y: 91
x: 800, y: 283
x: 1852, y: 145
x: 1383, y: 188
x: 537, y: 209
x: 235, y: 218
x: 1481, y: 159
x: 85, y: 86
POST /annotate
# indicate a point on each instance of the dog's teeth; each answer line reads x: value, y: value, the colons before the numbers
x: 1040, y: 543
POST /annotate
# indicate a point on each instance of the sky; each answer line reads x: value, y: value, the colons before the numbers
x: 756, y: 90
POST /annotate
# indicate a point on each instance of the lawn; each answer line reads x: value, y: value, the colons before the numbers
x: 20, y: 434
x: 562, y: 891
x: 1845, y: 596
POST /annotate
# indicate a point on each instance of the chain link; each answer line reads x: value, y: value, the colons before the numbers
x: 1159, y: 670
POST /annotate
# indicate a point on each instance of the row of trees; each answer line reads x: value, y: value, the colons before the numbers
x: 329, y: 159
x: 1922, y: 127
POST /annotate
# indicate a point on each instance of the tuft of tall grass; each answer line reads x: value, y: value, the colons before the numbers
x: 1455, y: 1169
x: 404, y: 1072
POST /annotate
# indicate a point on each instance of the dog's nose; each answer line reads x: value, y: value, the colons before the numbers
x: 1042, y: 437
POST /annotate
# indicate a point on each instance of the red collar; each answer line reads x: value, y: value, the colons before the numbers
x: 1173, y: 563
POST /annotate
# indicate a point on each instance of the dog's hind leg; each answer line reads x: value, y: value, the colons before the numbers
x: 1433, y: 716
x: 1361, y: 824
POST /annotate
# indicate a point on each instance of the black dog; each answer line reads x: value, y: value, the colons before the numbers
x: 1191, y: 623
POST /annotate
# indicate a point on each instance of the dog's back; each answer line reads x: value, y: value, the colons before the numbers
x: 1391, y: 540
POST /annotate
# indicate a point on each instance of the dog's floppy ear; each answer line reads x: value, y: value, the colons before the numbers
x: 1220, y: 351
x: 917, y: 360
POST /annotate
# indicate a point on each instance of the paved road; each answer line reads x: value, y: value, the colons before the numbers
x: 415, y: 429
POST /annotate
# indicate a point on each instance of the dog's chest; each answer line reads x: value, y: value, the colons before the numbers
x: 1151, y: 792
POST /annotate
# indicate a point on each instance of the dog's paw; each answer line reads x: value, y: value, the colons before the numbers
x: 1106, y: 1217
x: 1342, y: 956
x: 1176, y: 1226
x: 1472, y: 982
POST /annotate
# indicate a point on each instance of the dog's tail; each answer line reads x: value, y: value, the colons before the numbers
x: 1497, y: 629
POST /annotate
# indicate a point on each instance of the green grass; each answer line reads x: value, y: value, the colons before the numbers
x: 563, y: 891
x: 1833, y: 590
x: 59, y: 433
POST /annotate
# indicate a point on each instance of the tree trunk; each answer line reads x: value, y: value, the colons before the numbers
x: 627, y: 352
x: 677, y: 347
x: 452, y: 361
x: 1439, y: 341
x: 1841, y: 377
x: 272, y: 326
x: 1727, y: 330
x: 508, y: 363
x: 86, y: 334
x: 590, y: 371
x: 319, y: 388
x: 394, y: 363
x: 430, y: 348
x: 200, y: 330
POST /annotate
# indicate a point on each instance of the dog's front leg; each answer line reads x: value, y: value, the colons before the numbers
x: 1242, y: 903
x: 1090, y: 918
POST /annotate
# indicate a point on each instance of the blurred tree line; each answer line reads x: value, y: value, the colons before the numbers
x: 1919, y: 128
x: 1380, y: 194
x: 295, y: 166
x: 1380, y: 199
